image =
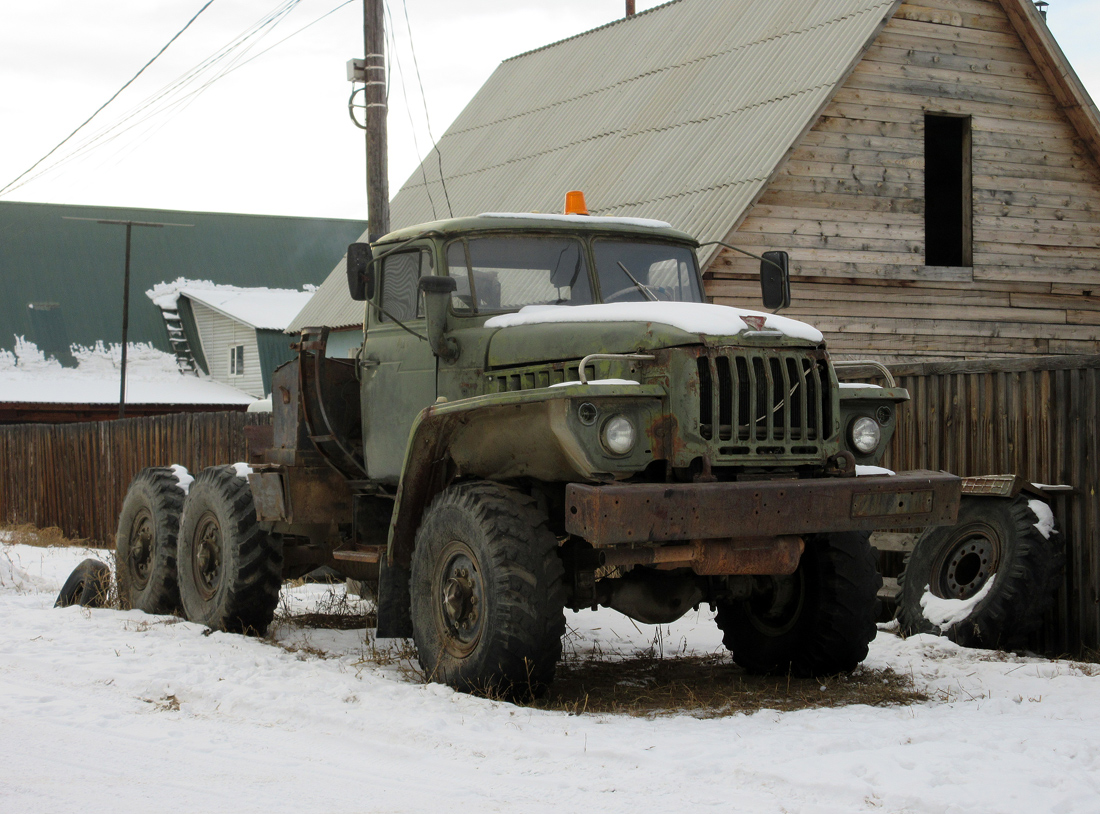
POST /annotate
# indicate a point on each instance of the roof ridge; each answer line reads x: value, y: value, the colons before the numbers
x: 617, y: 21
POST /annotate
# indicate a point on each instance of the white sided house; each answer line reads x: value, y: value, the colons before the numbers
x: 234, y: 335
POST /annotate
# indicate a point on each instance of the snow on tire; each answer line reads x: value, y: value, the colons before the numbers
x: 145, y: 546
x: 230, y: 569
x: 988, y: 580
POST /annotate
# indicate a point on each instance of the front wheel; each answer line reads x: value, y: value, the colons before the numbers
x: 817, y: 621
x: 486, y: 591
x: 230, y: 570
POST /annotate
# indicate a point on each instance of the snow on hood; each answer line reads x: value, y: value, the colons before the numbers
x: 692, y: 317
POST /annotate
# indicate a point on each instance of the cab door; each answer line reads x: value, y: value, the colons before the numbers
x: 399, y: 369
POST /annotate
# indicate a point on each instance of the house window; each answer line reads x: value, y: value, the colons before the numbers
x: 236, y: 360
x: 947, y: 191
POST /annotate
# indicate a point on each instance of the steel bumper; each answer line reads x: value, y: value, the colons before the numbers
x: 658, y: 512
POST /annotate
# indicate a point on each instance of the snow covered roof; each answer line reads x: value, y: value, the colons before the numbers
x: 263, y: 308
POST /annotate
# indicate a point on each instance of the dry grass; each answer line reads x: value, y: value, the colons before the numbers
x: 29, y: 534
x: 710, y: 686
x: 648, y: 684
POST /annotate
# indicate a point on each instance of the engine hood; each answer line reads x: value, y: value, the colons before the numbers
x: 549, y: 332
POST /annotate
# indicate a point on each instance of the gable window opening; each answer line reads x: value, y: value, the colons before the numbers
x: 236, y: 360
x: 948, y: 230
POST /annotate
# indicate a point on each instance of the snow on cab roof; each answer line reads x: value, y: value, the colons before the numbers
x: 645, y: 223
x: 691, y: 317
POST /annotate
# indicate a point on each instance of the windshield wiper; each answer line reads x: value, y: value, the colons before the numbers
x: 643, y: 288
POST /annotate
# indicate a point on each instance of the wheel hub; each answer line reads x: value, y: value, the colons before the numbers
x: 460, y: 594
x: 141, y: 549
x: 207, y: 556
x: 776, y: 603
x: 964, y: 568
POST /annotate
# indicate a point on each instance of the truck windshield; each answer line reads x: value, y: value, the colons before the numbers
x: 630, y: 271
x: 505, y: 273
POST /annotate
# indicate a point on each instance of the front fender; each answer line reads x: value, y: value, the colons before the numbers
x: 523, y: 434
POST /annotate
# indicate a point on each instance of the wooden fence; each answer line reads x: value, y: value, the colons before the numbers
x: 75, y: 476
x: 1036, y: 417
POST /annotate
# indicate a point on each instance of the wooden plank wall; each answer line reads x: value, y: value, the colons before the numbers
x: 75, y: 476
x: 849, y: 206
x: 1035, y: 417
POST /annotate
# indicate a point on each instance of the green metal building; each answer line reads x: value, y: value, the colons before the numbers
x: 61, y: 280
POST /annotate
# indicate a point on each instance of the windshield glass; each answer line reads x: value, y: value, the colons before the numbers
x: 646, y: 272
x: 506, y: 273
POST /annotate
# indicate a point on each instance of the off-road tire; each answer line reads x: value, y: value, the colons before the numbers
x: 89, y: 585
x: 816, y: 622
x: 993, y: 536
x: 230, y: 569
x: 145, y: 546
x: 485, y: 551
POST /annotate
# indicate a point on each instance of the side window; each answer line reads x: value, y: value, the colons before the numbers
x: 236, y: 360
x: 399, y: 292
x: 462, y: 301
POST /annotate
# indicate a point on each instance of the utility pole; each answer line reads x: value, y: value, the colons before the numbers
x: 378, y: 185
x: 129, y: 224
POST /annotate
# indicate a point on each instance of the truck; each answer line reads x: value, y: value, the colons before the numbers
x: 546, y: 413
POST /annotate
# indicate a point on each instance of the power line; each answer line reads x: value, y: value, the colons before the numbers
x: 115, y: 96
x: 408, y: 110
x: 435, y: 144
x: 123, y: 125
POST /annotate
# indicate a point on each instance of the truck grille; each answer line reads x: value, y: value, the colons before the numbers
x: 531, y: 378
x: 771, y: 403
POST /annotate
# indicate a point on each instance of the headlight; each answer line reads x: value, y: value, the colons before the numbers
x: 618, y: 435
x: 864, y: 433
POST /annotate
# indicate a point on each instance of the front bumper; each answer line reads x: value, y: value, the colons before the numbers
x: 612, y: 514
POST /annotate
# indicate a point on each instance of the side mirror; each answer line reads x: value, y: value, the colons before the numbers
x: 437, y: 297
x: 775, y: 280
x: 360, y: 272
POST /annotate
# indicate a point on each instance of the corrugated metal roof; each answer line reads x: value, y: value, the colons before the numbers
x: 682, y: 114
x: 73, y: 269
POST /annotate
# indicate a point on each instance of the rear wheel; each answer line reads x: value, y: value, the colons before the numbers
x: 145, y: 547
x: 230, y: 569
x: 817, y: 621
x: 487, y: 593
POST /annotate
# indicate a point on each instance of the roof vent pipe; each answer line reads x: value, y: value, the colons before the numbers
x: 630, y: 8
x: 1041, y: 5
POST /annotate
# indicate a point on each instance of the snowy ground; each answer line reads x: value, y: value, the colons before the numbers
x: 108, y: 711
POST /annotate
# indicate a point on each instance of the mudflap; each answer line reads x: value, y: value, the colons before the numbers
x: 394, y: 617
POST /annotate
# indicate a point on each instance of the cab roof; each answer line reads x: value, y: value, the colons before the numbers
x: 535, y: 222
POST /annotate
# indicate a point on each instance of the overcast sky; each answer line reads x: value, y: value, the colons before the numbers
x: 273, y: 136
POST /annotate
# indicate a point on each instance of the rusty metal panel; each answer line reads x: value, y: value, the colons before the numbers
x: 267, y: 495
x: 630, y: 513
x: 317, y: 494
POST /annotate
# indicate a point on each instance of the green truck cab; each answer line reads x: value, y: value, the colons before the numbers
x: 546, y: 413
